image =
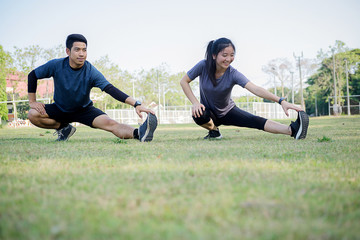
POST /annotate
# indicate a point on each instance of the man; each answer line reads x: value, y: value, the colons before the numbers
x: 73, y: 79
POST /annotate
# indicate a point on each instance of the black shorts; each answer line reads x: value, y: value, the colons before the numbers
x: 85, y: 115
x: 235, y: 117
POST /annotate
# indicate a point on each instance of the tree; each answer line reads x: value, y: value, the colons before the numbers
x: 354, y: 77
x: 280, y: 68
x: 283, y: 70
x: 5, y: 63
x: 321, y: 84
x: 55, y: 52
x: 26, y: 59
x: 150, y: 84
x: 117, y: 77
x: 175, y: 95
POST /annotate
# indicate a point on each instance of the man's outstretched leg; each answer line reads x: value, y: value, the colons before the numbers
x: 144, y: 133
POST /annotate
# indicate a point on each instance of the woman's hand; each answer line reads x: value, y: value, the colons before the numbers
x: 286, y: 106
x: 197, y: 109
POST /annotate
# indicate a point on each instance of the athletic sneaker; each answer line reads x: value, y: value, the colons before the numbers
x: 213, y: 134
x: 300, y: 126
x: 65, y: 133
x: 146, y: 130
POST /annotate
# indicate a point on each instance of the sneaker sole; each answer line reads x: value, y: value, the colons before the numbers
x: 73, y: 130
x: 304, y: 124
x: 214, y: 138
x: 150, y: 128
x: 219, y: 137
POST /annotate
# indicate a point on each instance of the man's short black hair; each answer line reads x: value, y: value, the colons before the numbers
x: 74, y: 38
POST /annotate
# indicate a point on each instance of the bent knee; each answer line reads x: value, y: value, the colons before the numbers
x: 203, y: 119
x: 33, y: 115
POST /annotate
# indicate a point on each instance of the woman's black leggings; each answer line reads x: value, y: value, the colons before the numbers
x: 235, y: 117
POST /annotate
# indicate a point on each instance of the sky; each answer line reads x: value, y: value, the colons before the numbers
x: 143, y: 34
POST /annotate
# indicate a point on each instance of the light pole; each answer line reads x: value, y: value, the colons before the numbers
x: 164, y: 92
x: 164, y: 96
x: 316, y: 109
x: 301, y: 85
x: 275, y: 92
x: 133, y: 83
x: 335, y: 108
x: 292, y: 87
x: 157, y: 77
x: 14, y: 106
x: 347, y: 86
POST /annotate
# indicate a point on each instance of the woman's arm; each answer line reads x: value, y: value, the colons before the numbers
x: 197, y: 108
x: 263, y: 93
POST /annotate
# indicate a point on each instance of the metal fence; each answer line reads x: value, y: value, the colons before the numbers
x: 165, y: 116
x: 182, y: 114
x: 267, y: 110
x: 349, y: 106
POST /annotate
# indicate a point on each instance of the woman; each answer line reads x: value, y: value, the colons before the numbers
x: 217, y: 78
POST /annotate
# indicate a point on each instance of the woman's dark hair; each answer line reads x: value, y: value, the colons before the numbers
x: 213, y: 48
x: 74, y: 38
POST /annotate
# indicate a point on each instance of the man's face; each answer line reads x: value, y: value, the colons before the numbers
x: 77, y: 54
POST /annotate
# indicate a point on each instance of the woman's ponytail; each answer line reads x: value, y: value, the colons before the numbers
x: 210, y: 62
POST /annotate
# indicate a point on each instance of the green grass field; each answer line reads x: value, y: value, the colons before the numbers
x: 249, y: 185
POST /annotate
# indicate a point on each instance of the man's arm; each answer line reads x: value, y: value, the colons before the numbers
x: 32, y: 85
x: 32, y: 82
x: 123, y: 97
x: 116, y: 93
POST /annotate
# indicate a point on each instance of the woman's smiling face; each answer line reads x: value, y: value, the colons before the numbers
x: 224, y: 58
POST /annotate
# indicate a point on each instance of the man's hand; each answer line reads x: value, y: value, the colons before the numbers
x: 38, y: 106
x: 139, y: 109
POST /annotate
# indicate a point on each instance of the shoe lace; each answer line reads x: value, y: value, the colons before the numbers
x: 59, y: 133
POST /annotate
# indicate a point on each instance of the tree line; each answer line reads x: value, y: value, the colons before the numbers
x: 158, y: 85
x: 338, y: 62
x: 337, y: 66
